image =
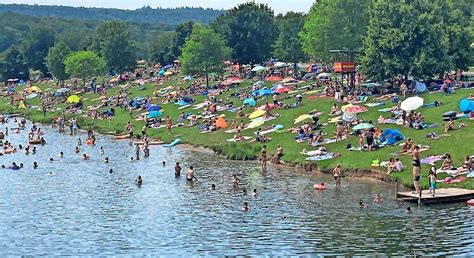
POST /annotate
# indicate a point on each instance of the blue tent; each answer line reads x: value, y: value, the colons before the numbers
x: 262, y: 92
x: 153, y: 114
x: 250, y: 101
x: 466, y: 105
x: 420, y: 87
x: 391, y: 136
x: 153, y: 108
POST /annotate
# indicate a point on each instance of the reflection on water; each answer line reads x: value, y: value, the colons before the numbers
x: 84, y: 210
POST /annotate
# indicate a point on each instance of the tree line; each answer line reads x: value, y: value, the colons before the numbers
x: 419, y: 38
x: 146, y: 14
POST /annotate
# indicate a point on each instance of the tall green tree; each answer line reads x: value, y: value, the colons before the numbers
x: 249, y: 30
x: 182, y: 33
x: 408, y: 38
x: 460, y: 38
x: 160, y: 49
x: 55, y: 60
x: 335, y: 24
x: 84, y: 65
x: 36, y: 46
x: 288, y: 45
x: 13, y: 65
x: 113, y: 41
x: 203, y: 52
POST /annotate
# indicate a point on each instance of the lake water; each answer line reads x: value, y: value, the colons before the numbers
x: 84, y: 210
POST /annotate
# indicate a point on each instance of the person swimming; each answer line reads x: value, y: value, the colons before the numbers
x: 106, y: 160
x: 213, y: 187
x: 34, y: 150
x: 35, y: 165
x: 79, y: 142
x: 85, y: 156
x: 138, y: 180
x: 362, y: 205
x: 14, y: 166
x: 51, y: 160
x: 235, y: 179
x: 378, y: 199
x: 254, y: 193
x: 164, y: 163
x: 111, y: 171
x: 61, y: 154
x: 245, y: 207
x: 244, y: 191
x: 102, y: 150
x: 408, y: 210
x: 77, y: 150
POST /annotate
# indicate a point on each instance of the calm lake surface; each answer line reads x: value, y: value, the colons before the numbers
x: 84, y: 210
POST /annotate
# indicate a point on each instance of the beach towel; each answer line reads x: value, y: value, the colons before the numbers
x: 326, y: 141
x: 376, y: 104
x: 326, y: 156
x: 240, y: 140
x: 385, y: 110
x: 431, y: 159
x: 449, y: 180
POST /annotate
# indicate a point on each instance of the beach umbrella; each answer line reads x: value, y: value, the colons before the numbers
x: 349, y: 117
x: 411, y: 103
x: 281, y: 65
x: 362, y: 126
x: 32, y: 96
x: 153, y: 114
x: 153, y: 108
x: 258, y: 68
x: 250, y: 101
x: 34, y: 89
x: 73, y: 99
x: 355, y: 109
x: 255, y: 123
x: 302, y: 118
x: 323, y: 75
x: 282, y: 89
x: 257, y: 113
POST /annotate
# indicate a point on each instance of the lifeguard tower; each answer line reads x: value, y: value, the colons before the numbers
x: 344, y: 64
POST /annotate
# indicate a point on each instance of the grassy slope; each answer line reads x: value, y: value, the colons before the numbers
x: 459, y: 144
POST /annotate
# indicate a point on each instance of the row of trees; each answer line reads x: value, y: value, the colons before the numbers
x: 419, y: 38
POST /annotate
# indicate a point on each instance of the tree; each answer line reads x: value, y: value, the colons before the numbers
x: 84, y: 65
x: 182, y: 33
x: 458, y: 32
x: 114, y: 43
x: 288, y: 44
x: 13, y: 65
x: 55, y: 60
x: 160, y: 49
x: 203, y: 52
x: 36, y: 46
x: 334, y: 24
x: 407, y: 38
x: 249, y: 30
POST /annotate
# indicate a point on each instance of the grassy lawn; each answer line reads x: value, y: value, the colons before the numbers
x: 459, y: 144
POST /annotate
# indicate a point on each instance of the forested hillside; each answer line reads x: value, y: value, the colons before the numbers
x: 147, y: 14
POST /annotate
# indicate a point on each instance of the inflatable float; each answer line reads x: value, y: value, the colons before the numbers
x: 37, y: 141
x: 122, y: 137
x: 173, y: 143
x: 470, y: 202
x: 90, y: 142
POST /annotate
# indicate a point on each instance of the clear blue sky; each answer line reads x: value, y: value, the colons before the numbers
x: 279, y: 6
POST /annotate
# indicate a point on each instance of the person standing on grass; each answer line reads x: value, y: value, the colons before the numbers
x: 263, y: 157
x: 416, y: 168
x: 336, y: 172
x: 169, y: 124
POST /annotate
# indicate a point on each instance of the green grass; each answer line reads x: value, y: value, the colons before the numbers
x: 459, y: 144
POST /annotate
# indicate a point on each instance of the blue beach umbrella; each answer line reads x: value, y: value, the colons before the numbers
x: 153, y: 114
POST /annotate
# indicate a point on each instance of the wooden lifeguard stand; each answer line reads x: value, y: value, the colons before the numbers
x: 345, y: 63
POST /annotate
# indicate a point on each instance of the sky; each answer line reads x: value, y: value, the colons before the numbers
x: 279, y: 6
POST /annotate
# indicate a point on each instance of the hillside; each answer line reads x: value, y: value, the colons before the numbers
x: 146, y: 14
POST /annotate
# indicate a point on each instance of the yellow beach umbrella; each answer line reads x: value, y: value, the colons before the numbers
x: 34, y: 89
x: 73, y: 99
x: 257, y: 113
x: 302, y: 118
x: 255, y: 123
